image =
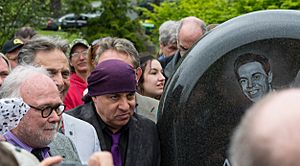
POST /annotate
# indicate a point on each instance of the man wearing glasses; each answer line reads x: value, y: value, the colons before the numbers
x: 49, y: 53
x: 37, y: 131
x: 79, y: 73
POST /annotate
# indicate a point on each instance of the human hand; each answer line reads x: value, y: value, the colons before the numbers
x: 51, y: 161
x: 101, y: 159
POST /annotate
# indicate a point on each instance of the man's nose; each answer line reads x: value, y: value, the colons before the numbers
x: 250, y: 83
x: 54, y: 117
x: 124, y: 104
x: 58, y: 79
x: 81, y: 56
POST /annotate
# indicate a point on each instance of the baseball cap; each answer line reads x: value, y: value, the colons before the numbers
x: 78, y: 41
x: 11, y: 45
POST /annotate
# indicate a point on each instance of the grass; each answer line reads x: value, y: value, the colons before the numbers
x: 64, y: 35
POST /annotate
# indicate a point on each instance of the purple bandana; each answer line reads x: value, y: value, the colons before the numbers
x: 111, y: 76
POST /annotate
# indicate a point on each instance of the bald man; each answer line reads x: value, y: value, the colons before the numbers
x: 190, y: 30
x: 269, y: 132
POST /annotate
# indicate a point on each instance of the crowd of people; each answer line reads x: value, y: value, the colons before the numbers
x: 96, y: 104
x: 76, y: 103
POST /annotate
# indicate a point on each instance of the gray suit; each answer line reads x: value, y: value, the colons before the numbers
x: 147, y: 107
x: 83, y: 135
x: 64, y: 147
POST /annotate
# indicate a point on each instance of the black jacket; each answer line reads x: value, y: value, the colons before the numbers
x: 143, y: 147
x: 172, y: 65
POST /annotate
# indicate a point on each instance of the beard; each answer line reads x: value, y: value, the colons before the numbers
x: 39, y: 138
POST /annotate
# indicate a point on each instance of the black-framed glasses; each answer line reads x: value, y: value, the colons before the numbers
x: 47, y: 111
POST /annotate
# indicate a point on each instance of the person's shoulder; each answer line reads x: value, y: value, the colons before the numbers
x: 79, y: 110
x: 73, y: 121
x: 140, y: 98
x: 60, y: 138
x: 147, y: 107
x: 22, y: 156
x: 141, y: 123
x: 142, y: 120
x: 63, y: 146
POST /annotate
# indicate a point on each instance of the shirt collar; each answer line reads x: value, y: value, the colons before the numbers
x: 11, y: 138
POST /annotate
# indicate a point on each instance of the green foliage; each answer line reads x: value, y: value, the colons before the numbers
x: 77, y: 7
x: 17, y: 13
x: 212, y: 11
x: 115, y: 22
x: 65, y: 35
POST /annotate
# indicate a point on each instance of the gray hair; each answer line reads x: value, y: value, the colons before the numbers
x: 192, y: 19
x: 247, y: 148
x: 40, y: 43
x: 12, y: 84
x: 167, y: 32
x: 116, y: 44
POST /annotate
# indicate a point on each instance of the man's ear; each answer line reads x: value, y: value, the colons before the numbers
x: 270, y: 77
x: 138, y: 74
x: 94, y: 100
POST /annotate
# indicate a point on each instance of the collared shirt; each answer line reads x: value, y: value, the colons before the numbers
x: 11, y: 138
x: 108, y: 139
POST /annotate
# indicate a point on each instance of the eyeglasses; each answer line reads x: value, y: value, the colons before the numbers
x: 47, y: 111
x: 77, y: 54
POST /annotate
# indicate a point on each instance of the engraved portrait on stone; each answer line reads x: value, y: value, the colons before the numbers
x: 254, y: 75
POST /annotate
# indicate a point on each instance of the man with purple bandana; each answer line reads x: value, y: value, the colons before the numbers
x: 131, y: 138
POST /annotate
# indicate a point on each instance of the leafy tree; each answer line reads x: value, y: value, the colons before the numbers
x: 212, y: 11
x: 18, y: 13
x: 115, y: 22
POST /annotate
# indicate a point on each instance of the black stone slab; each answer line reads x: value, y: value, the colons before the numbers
x: 204, y: 102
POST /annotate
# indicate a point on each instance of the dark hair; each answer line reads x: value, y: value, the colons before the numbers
x: 143, y: 63
x: 121, y: 45
x: 41, y: 43
x: 250, y: 57
x: 25, y: 32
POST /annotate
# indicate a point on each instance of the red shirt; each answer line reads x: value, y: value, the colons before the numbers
x: 75, y: 92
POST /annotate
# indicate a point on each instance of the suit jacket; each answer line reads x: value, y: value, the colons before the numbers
x: 64, y: 147
x: 147, y: 107
x: 143, y: 147
x: 83, y: 135
x: 172, y: 65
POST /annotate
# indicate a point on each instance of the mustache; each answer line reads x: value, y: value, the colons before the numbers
x: 52, y: 126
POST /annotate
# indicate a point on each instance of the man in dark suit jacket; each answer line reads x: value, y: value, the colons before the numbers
x: 112, y: 86
x: 123, y: 49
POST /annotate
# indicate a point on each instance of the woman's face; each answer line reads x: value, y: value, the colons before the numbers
x: 154, y: 79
